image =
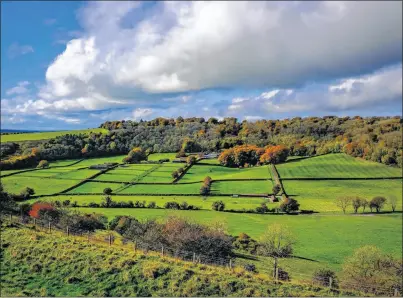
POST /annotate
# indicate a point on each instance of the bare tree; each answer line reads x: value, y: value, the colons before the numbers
x: 343, y: 202
x: 356, y: 203
x: 393, y: 202
x: 276, y: 242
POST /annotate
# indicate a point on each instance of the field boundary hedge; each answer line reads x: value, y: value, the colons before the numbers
x: 277, y: 178
x: 148, y: 194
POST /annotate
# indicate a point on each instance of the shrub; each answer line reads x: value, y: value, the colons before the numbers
x: 107, y: 191
x: 245, y: 243
x: 175, y: 174
x: 276, y: 189
x: 93, y: 205
x: 250, y: 267
x: 262, y: 208
x: 38, y: 206
x: 191, y: 160
x: 289, y: 205
x: 184, y: 206
x: 322, y: 277
x: 180, y: 154
x: 171, y: 205
x: 218, y: 206
x: 152, y: 205
x: 204, y: 190
x: 283, y: 275
x: 180, y: 170
x: 43, y: 164
x: 66, y: 203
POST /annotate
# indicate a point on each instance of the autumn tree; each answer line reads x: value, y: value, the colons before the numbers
x: 343, y: 202
x: 274, y: 154
x: 277, y: 242
x: 191, y: 160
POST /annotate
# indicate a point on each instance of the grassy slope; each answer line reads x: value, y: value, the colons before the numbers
x: 45, y: 135
x: 335, y: 165
x: 39, y: 264
x: 158, y: 156
x: 327, y: 239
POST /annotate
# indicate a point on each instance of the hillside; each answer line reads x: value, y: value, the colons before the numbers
x: 39, y: 264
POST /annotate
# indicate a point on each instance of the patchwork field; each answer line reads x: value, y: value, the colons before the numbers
x: 199, y: 172
x: 158, y: 156
x: 193, y: 188
x: 335, y: 166
x: 93, y: 187
x: 14, y: 184
x: 46, y: 135
x: 245, y: 187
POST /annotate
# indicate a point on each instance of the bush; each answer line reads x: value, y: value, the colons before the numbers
x: 184, y: 206
x: 276, y: 189
x: 262, y: 208
x: 283, y: 275
x: 204, y: 190
x: 191, y: 160
x: 180, y: 154
x: 93, y: 205
x: 245, y: 243
x: 322, y: 277
x: 152, y: 205
x: 175, y: 174
x: 180, y: 170
x: 171, y: 205
x: 107, y: 191
x: 66, y: 203
x: 250, y: 267
x: 43, y: 164
x: 377, y: 203
x: 218, y: 206
x: 289, y: 205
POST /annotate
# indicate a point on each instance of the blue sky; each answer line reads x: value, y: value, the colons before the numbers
x: 72, y: 65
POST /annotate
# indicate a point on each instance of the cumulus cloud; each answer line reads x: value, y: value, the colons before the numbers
x: 378, y: 91
x: 21, y: 88
x: 15, y: 50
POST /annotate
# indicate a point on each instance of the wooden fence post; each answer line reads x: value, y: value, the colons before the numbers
x: 162, y: 251
x: 11, y: 216
x: 50, y: 227
x: 34, y: 221
x: 110, y: 239
x: 67, y: 231
x: 330, y: 282
x: 134, y: 246
x: 396, y: 293
x: 230, y: 263
x: 194, y: 257
x: 277, y: 274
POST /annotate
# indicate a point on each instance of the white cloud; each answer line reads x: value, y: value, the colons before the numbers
x: 140, y: 113
x: 15, y: 50
x: 21, y: 88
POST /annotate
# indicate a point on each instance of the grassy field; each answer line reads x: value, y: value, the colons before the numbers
x: 35, y: 136
x: 244, y: 187
x: 326, y: 239
x: 100, y: 160
x: 199, y: 172
x: 320, y: 195
x: 209, y: 162
x: 158, y: 156
x: 193, y: 188
x: 42, y: 186
x: 94, y: 187
x: 335, y: 166
x: 69, y: 266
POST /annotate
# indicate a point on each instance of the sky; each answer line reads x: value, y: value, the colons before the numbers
x: 73, y: 65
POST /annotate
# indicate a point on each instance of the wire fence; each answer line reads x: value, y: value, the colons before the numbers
x: 190, y: 256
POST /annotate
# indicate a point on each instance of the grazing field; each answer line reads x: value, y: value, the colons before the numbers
x: 35, y: 136
x: 15, y: 183
x: 244, y: 187
x: 199, y: 172
x: 158, y: 156
x: 212, y: 161
x: 335, y: 166
x: 100, y: 160
x: 326, y: 239
x: 64, y: 163
x: 320, y: 195
x: 193, y: 188
x: 93, y: 187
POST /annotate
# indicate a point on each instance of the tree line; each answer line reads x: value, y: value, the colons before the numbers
x: 377, y: 139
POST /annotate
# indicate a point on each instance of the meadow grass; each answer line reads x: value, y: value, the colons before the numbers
x: 211, y: 161
x: 35, y: 136
x: 41, y: 264
x: 193, y: 188
x: 158, y: 156
x: 62, y: 163
x: 42, y: 186
x: 94, y: 187
x: 119, y: 177
x: 321, y: 195
x: 199, y: 172
x: 241, y: 187
x: 335, y: 166
x: 328, y: 239
x: 100, y: 160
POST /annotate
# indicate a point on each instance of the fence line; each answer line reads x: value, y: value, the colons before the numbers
x: 190, y: 256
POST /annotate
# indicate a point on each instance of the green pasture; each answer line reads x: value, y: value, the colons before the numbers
x: 42, y: 186
x: 241, y: 187
x: 327, y: 239
x: 119, y: 177
x: 335, y: 166
x: 320, y: 195
x: 158, y: 156
x: 193, y: 188
x: 209, y: 162
x: 199, y: 172
x: 100, y: 160
x: 63, y: 163
x: 35, y: 136
x: 94, y: 187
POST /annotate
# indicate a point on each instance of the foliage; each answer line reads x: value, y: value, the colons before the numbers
x: 276, y: 189
x: 135, y: 156
x: 37, y: 207
x: 289, y: 205
x: 377, y: 203
x: 107, y: 191
x: 371, y: 271
x: 218, y: 206
x: 43, y: 164
x: 245, y: 243
x: 276, y: 242
x: 343, y: 202
x: 274, y: 154
x: 7, y: 204
x: 322, y: 277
